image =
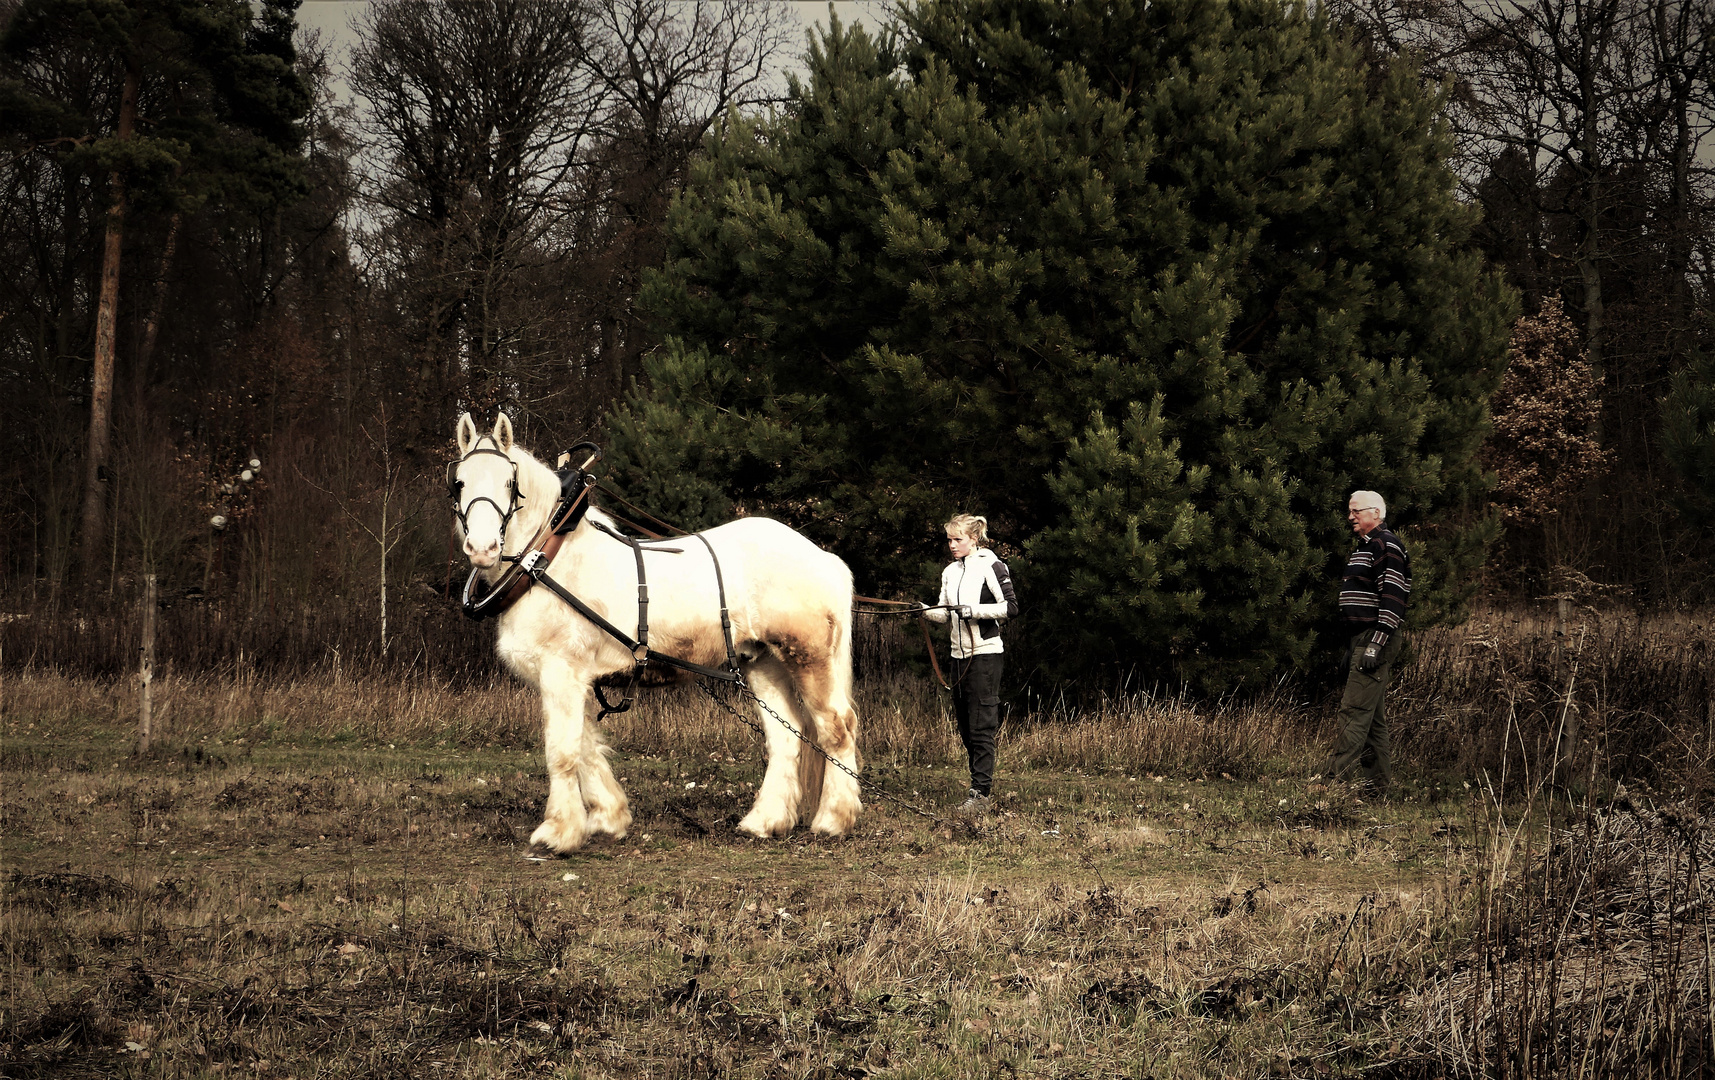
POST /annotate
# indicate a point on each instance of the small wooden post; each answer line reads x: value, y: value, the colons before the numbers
x: 1567, y: 656
x: 146, y: 673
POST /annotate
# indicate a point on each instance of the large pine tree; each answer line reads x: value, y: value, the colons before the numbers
x: 1152, y: 285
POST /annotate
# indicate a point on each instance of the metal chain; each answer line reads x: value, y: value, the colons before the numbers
x: 868, y: 785
x: 904, y: 608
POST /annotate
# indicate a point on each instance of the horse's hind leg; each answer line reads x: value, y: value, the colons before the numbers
x: 564, y: 695
x: 609, y: 809
x: 826, y: 693
x: 776, y: 809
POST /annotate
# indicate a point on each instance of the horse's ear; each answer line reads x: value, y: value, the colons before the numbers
x: 466, y: 433
x: 503, y: 432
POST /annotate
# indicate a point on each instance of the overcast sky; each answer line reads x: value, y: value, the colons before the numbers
x: 333, y: 18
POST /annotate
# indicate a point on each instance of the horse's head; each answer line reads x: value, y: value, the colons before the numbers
x: 483, y: 485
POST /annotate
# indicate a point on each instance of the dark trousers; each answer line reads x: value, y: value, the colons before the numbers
x: 976, y: 703
x: 1364, y: 750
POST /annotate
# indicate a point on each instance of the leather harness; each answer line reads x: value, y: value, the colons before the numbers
x: 529, y: 567
x: 483, y: 601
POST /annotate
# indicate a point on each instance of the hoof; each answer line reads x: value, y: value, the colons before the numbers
x: 615, y: 824
x: 556, y: 838
x: 827, y: 824
x: 755, y: 825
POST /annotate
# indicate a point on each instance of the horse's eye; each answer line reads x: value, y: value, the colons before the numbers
x: 454, y: 488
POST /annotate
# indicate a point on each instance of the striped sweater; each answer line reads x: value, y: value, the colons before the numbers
x: 1376, y: 584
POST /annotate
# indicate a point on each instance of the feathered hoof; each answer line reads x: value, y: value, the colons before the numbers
x: 557, y: 837
x: 754, y: 824
x: 615, y: 823
x: 832, y: 822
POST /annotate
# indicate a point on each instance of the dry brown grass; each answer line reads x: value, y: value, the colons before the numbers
x: 903, y: 723
x: 314, y: 878
x: 1591, y: 953
x: 342, y: 914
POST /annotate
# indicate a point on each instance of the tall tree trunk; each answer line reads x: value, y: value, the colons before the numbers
x: 101, y: 378
x: 1680, y: 58
x: 152, y: 324
x: 1592, y: 252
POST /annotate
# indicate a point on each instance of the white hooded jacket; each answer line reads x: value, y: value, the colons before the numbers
x: 981, y: 582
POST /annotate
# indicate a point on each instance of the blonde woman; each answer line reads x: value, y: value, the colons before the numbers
x: 976, y: 597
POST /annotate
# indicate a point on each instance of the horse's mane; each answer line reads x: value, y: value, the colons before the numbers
x: 540, y: 486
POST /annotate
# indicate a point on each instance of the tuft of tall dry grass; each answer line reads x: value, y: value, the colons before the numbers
x: 1591, y: 948
x: 1150, y: 732
x: 1523, y: 694
x: 1608, y: 696
x: 253, y: 705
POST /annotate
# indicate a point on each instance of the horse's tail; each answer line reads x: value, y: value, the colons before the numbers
x: 811, y: 766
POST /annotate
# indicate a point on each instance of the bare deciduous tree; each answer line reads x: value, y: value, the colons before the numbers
x: 476, y: 113
x: 1586, y: 131
x: 525, y: 154
x: 382, y: 507
x: 669, y: 71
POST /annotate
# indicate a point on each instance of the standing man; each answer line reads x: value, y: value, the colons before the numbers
x: 976, y: 596
x: 1373, y: 594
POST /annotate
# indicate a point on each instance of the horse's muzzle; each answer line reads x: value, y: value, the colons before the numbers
x: 486, y: 557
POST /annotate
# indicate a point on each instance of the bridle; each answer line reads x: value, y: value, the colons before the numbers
x: 455, y: 487
x: 484, y: 599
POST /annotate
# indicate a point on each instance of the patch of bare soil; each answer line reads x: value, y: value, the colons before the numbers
x: 368, y: 913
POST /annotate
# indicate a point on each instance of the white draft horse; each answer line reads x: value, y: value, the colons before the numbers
x: 790, y: 606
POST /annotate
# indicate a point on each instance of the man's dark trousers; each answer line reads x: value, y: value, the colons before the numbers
x: 1364, y: 750
x: 976, y: 703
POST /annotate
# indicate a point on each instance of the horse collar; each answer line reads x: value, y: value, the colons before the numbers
x: 484, y: 601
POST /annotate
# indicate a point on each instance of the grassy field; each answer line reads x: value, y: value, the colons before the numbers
x: 319, y: 879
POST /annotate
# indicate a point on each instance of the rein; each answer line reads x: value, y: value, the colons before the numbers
x: 530, y: 567
x: 906, y: 607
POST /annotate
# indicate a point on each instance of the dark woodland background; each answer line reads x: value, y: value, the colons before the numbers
x: 238, y: 317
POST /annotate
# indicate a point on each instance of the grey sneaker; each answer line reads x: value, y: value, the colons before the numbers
x: 975, y: 804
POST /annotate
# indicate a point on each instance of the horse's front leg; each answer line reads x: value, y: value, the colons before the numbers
x: 609, y: 809
x: 565, y: 695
